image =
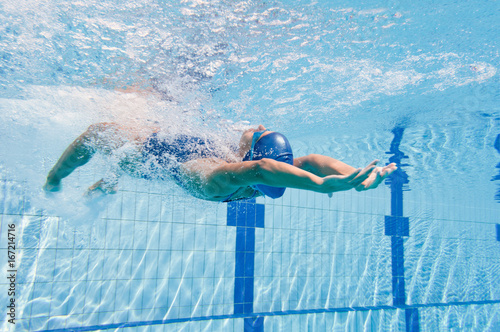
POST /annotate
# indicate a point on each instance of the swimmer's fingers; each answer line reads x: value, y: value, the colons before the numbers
x: 364, y: 174
x: 377, y: 177
x: 371, y: 183
x: 333, y: 183
x: 388, y: 170
x: 391, y: 168
x: 360, y: 178
x: 380, y: 175
x: 369, y: 169
x: 373, y: 164
x: 353, y: 175
x: 356, y: 177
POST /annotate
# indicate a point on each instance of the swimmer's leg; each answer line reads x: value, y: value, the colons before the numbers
x: 77, y: 154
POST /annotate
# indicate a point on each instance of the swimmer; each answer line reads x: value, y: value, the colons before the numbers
x: 263, y: 164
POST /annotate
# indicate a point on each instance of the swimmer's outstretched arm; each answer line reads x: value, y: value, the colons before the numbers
x: 227, y: 178
x: 323, y: 166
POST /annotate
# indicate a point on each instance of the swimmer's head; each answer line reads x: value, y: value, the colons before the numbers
x: 270, y: 145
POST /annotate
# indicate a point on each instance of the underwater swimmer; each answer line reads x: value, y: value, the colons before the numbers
x: 262, y: 165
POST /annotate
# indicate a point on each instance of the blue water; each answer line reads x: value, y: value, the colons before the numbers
x: 414, y: 83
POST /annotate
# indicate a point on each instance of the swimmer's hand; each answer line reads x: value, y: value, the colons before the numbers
x: 376, y: 177
x: 51, y: 185
x: 101, y: 187
x: 333, y: 183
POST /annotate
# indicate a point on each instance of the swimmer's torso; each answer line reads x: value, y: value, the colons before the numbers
x: 162, y: 158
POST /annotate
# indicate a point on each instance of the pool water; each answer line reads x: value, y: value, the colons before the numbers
x: 411, y: 83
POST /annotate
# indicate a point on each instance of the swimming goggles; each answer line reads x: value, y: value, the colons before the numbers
x: 255, y: 138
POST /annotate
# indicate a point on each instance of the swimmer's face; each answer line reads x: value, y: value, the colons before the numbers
x: 246, y: 139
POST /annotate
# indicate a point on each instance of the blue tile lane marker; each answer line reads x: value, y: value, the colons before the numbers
x: 498, y: 232
x: 246, y: 216
x: 397, y: 227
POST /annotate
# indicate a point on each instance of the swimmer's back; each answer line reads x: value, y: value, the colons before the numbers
x: 181, y: 148
x: 162, y: 157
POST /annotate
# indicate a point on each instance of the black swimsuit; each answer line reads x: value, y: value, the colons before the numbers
x: 159, y: 154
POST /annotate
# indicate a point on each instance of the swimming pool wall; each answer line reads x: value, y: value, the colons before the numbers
x: 153, y: 259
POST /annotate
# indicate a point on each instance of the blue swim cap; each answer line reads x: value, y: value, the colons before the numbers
x: 273, y: 146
